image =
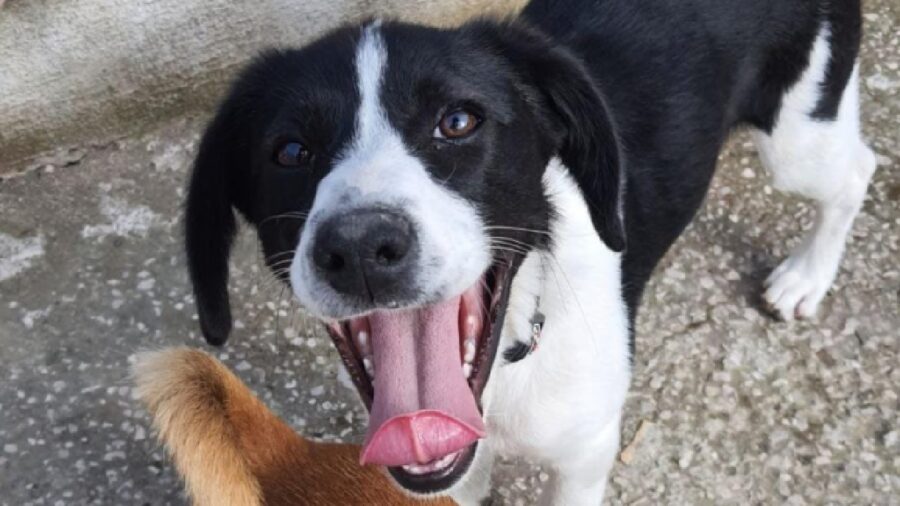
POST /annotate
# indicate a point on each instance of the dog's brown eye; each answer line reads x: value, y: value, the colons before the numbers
x: 456, y: 124
x: 292, y: 154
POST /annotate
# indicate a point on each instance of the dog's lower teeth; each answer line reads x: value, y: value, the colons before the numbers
x: 467, y: 369
x: 435, y: 465
x: 445, y: 461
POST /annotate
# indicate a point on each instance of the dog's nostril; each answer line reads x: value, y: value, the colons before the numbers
x: 333, y: 262
x: 329, y: 259
x: 387, y: 254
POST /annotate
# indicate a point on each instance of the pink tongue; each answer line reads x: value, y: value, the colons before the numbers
x: 423, y: 408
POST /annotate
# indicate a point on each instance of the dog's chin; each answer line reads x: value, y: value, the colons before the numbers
x: 440, y: 479
x: 444, y: 460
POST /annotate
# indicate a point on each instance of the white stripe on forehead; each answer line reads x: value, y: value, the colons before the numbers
x: 371, y: 60
x: 377, y: 171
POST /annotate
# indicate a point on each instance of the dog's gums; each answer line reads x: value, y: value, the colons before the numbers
x: 421, y: 373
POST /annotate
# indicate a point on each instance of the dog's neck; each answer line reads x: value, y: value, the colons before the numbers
x: 574, y: 286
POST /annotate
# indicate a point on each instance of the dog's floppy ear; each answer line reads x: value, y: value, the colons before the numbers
x: 219, y: 182
x: 587, y: 143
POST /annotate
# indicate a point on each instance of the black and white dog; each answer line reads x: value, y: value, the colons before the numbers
x: 445, y: 200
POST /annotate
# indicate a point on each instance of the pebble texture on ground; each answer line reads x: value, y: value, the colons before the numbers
x: 736, y: 408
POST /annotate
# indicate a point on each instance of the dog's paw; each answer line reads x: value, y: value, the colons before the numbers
x: 797, y: 286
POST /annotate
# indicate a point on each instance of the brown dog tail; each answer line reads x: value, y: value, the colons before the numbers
x: 218, y: 433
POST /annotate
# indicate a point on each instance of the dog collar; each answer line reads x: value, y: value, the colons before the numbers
x: 519, y: 350
x: 537, y: 326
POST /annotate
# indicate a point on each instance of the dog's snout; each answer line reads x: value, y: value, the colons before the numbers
x: 367, y: 253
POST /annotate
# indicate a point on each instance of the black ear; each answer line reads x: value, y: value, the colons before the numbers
x: 218, y: 182
x: 587, y: 144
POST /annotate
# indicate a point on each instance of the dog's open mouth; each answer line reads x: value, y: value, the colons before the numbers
x: 421, y: 373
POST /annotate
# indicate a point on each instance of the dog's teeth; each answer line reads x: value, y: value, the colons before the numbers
x: 445, y: 461
x: 362, y: 339
x: 414, y: 469
x: 467, y: 370
x: 469, y: 347
x: 471, y: 326
x: 430, y: 467
x: 369, y: 367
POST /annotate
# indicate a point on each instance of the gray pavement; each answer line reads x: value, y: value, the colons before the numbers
x: 736, y: 408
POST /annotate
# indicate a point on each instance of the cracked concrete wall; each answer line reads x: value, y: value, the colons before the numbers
x: 72, y: 72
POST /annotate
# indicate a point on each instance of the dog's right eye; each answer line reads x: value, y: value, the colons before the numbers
x: 292, y: 154
x: 456, y: 124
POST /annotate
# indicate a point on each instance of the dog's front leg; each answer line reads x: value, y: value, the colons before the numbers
x: 582, y: 478
x: 475, y: 488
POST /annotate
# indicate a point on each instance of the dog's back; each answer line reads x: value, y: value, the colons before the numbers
x: 680, y: 75
x: 231, y: 450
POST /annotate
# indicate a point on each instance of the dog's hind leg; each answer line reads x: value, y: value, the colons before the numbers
x: 815, y: 149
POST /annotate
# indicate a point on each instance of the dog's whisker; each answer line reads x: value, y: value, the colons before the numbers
x: 452, y: 172
x: 510, y: 239
x: 503, y: 240
x: 278, y: 311
x: 510, y: 246
x: 572, y: 290
x: 508, y: 250
x: 280, y: 254
x: 517, y: 229
x: 277, y: 273
x: 551, y: 256
x: 514, y: 241
x: 272, y: 281
x: 297, y: 312
x: 280, y: 258
x: 294, y: 215
x: 285, y: 261
x: 484, y: 309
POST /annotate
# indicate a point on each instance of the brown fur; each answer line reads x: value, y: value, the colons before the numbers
x: 231, y: 450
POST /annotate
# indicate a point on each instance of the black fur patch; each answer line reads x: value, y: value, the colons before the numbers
x: 307, y: 94
x: 516, y: 352
x: 678, y: 78
x: 845, y: 25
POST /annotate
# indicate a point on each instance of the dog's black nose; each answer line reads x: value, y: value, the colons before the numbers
x: 369, y: 254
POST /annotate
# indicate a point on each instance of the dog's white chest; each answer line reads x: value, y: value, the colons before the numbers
x: 578, y: 376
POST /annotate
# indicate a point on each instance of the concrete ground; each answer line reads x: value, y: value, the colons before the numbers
x: 736, y: 408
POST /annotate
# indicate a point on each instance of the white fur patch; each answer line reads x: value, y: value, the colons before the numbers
x: 377, y: 170
x: 573, y: 387
x: 824, y: 160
